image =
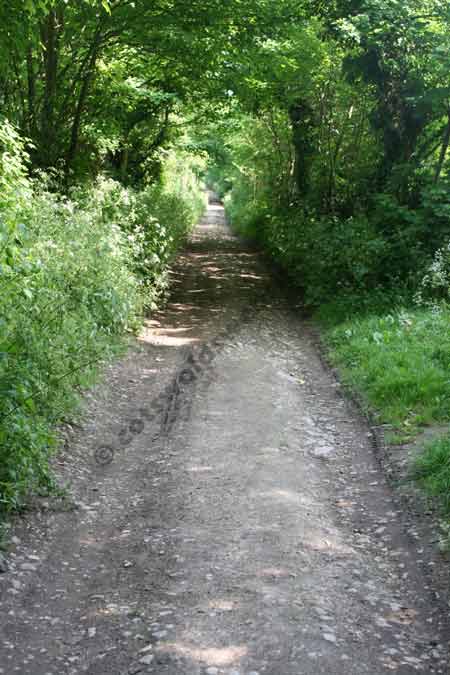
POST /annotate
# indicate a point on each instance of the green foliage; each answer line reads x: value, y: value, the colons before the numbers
x: 432, y: 470
x: 75, y: 275
x: 15, y: 192
x: 67, y: 300
x: 336, y: 159
x: 100, y: 82
x: 156, y: 220
x: 13, y: 161
x: 401, y: 49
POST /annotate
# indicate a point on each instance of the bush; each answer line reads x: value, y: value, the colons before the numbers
x: 351, y: 257
x: 158, y: 236
x: 67, y: 298
x: 75, y: 275
x: 323, y: 256
x: 156, y: 221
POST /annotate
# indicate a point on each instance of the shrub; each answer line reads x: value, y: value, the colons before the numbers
x: 353, y: 260
x: 75, y: 275
x: 156, y: 220
x: 323, y: 256
x: 65, y: 302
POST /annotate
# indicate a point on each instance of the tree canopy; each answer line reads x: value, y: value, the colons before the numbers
x: 358, y: 89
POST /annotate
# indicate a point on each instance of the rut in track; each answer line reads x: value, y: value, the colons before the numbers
x: 229, y: 515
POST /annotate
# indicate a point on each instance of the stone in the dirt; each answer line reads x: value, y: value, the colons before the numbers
x: 330, y: 637
x: 323, y: 452
x: 29, y: 567
x: 3, y: 565
x: 212, y: 671
x: 160, y: 634
x: 147, y: 660
x: 149, y: 648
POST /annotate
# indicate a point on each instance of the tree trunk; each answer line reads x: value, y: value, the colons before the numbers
x: 124, y: 162
x: 162, y: 133
x: 31, y: 83
x: 84, y: 90
x: 443, y: 153
x: 301, y: 117
x: 49, y: 36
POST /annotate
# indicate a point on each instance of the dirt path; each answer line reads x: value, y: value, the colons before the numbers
x: 229, y: 515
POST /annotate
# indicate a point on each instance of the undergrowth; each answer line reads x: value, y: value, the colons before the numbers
x: 76, y: 274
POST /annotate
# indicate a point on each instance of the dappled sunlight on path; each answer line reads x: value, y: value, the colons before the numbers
x: 236, y: 521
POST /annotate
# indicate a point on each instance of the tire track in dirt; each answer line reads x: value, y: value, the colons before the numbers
x: 242, y: 526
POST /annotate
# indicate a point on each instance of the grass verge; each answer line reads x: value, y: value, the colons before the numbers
x: 399, y: 367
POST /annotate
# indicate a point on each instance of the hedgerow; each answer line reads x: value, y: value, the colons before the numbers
x: 76, y: 274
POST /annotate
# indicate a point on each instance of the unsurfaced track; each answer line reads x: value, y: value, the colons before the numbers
x: 228, y: 514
